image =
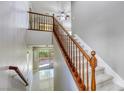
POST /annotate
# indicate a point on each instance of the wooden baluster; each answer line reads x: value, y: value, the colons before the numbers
x: 53, y: 23
x: 87, y: 73
x: 60, y: 35
x: 76, y: 61
x: 63, y: 40
x: 79, y: 67
x: 93, y: 64
x: 66, y: 44
x: 48, y: 23
x: 39, y: 22
x: 69, y: 47
x: 34, y: 21
x: 83, y: 85
x: 44, y: 23
x: 82, y: 68
x: 76, y: 58
x: 71, y: 53
x: 41, y: 17
x: 73, y: 56
x: 50, y: 28
x: 79, y: 64
x: 30, y: 21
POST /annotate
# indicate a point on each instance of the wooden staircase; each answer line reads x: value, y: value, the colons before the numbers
x: 81, y: 65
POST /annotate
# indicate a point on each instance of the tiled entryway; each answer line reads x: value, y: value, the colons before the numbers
x: 43, y: 80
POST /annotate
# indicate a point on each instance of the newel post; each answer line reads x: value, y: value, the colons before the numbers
x: 93, y: 64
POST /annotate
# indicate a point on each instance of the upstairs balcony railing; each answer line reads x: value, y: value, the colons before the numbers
x: 40, y: 22
x: 81, y: 65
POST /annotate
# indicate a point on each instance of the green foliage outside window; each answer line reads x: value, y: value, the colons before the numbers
x: 44, y: 53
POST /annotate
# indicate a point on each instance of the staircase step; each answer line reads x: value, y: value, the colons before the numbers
x: 99, y: 70
x: 110, y: 87
x: 103, y: 79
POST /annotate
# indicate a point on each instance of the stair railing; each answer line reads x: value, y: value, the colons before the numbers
x: 80, y: 62
x: 16, y: 69
x: 81, y: 65
x: 40, y: 22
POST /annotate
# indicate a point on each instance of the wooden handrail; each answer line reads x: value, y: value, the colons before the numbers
x: 39, y: 14
x: 16, y: 69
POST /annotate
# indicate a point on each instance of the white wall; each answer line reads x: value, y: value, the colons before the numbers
x: 50, y: 7
x: 100, y: 25
x: 63, y: 80
x: 38, y: 38
x: 13, y: 24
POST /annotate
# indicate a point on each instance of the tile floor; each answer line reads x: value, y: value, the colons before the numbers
x: 43, y: 80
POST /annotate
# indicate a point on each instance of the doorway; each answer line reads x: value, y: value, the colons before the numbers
x: 43, y: 68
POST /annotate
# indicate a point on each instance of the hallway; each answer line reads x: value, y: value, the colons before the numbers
x: 43, y: 80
